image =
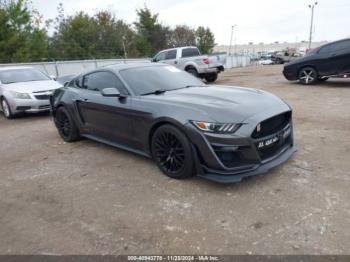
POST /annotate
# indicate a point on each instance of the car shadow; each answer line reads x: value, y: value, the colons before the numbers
x: 26, y: 117
x: 332, y: 83
x: 245, y: 184
x: 344, y: 83
x: 33, y: 116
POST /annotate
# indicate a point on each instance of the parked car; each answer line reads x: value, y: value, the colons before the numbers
x: 266, y: 61
x: 65, y: 79
x: 190, y: 60
x: 330, y: 60
x: 25, y: 89
x: 286, y: 56
x: 158, y: 111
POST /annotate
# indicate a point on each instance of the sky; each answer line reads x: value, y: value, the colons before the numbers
x: 256, y: 21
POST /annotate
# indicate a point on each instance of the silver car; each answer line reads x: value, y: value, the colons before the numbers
x: 25, y: 89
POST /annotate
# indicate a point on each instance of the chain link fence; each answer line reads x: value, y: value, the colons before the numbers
x: 61, y: 68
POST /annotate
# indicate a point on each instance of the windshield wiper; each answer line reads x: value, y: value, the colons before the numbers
x: 188, y: 86
x: 156, y: 92
x: 161, y: 91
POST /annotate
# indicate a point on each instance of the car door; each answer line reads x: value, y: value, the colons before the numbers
x: 108, y: 118
x: 340, y: 56
x: 322, y: 61
x: 168, y: 57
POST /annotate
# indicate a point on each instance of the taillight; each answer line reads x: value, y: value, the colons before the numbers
x: 206, y: 61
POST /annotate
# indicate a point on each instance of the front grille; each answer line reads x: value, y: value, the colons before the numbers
x: 230, y: 157
x: 269, y: 152
x: 22, y: 108
x: 42, y: 97
x: 272, y: 125
x: 44, y: 107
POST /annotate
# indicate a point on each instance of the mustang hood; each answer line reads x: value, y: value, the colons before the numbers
x: 33, y: 86
x: 223, y: 103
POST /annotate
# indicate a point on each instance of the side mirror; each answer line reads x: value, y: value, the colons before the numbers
x: 154, y: 60
x: 111, y: 92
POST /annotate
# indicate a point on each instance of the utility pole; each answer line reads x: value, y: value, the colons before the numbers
x: 123, y: 41
x: 312, y: 22
x: 229, y: 49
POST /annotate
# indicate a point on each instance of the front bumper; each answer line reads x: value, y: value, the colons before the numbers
x: 228, y: 158
x: 29, y: 105
x: 230, y: 177
x: 289, y: 74
x: 211, y: 70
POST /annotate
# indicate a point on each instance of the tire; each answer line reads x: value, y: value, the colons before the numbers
x: 192, y: 71
x: 308, y: 76
x: 66, y: 126
x: 172, y: 152
x: 6, y: 109
x: 211, y: 77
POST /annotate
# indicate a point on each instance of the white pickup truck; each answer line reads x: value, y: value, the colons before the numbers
x: 190, y: 59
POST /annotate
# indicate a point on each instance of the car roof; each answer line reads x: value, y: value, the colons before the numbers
x: 334, y: 42
x: 14, y: 67
x: 119, y: 67
x: 174, y: 48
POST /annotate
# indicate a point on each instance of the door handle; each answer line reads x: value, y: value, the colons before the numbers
x: 81, y: 100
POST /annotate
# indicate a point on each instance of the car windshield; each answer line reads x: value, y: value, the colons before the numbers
x: 312, y: 51
x: 21, y: 75
x: 150, y: 79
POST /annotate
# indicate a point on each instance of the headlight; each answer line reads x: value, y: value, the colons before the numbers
x: 21, y: 95
x: 221, y: 128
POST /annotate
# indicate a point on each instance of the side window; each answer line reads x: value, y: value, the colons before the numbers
x: 188, y: 52
x: 171, y: 54
x: 160, y: 56
x: 101, y: 80
x: 326, y: 49
x: 77, y: 82
x: 340, y: 46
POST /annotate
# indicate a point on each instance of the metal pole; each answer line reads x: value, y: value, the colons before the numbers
x: 312, y: 22
x: 56, y: 67
x: 229, y: 49
x: 235, y: 45
x: 125, y: 54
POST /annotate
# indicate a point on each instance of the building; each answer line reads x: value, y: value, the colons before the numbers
x: 266, y: 48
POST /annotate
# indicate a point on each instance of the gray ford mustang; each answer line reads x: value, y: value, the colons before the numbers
x: 217, y: 132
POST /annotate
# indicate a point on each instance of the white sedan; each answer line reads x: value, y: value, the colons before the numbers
x: 265, y: 62
x: 25, y: 89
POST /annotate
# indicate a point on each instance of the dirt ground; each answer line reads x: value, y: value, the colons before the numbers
x: 88, y: 198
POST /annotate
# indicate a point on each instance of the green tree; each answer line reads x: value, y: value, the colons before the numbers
x: 182, y: 35
x: 81, y: 36
x: 21, y: 37
x: 115, y: 38
x: 76, y: 38
x: 205, y: 40
x: 152, y: 36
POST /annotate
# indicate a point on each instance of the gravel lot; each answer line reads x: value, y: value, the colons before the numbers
x: 88, y: 198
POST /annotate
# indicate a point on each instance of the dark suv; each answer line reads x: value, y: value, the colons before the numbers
x: 330, y: 60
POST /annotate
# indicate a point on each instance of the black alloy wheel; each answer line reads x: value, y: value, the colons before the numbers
x: 65, y: 125
x: 172, y: 152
